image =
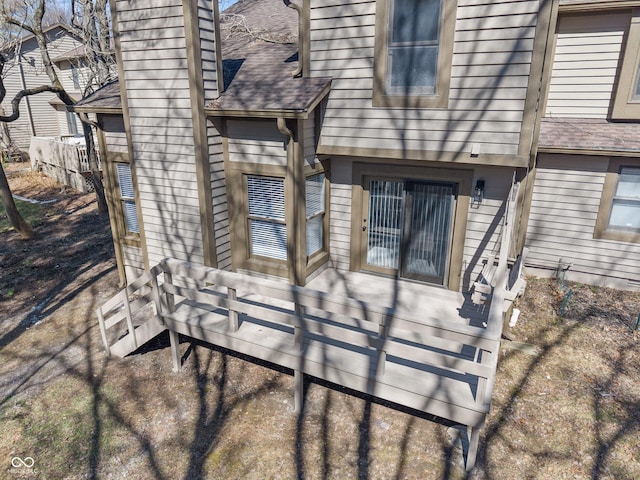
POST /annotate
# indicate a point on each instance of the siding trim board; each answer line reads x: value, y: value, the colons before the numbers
x: 426, y: 155
x: 200, y: 137
x: 127, y: 126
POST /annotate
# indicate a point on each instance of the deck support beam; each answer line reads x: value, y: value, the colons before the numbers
x: 174, y: 339
x: 473, y: 434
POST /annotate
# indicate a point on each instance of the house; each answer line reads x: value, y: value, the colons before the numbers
x: 358, y: 187
x: 584, y: 220
x: 42, y: 115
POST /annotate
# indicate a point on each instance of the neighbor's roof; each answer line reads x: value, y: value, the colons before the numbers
x: 560, y: 134
x: 259, y: 54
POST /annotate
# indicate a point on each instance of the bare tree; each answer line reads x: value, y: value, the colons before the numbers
x: 90, y: 21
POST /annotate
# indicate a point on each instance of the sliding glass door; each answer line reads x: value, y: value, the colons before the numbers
x: 408, y: 227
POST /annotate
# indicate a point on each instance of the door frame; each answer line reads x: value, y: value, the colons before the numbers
x: 459, y: 176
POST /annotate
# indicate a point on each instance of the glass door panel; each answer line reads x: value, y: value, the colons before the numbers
x: 385, y: 223
x: 408, y: 228
x: 427, y: 231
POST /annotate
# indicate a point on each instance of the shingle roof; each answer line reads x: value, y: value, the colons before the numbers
x: 104, y: 99
x: 259, y: 52
x: 589, y: 134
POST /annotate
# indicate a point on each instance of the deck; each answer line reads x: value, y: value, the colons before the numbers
x: 423, y: 347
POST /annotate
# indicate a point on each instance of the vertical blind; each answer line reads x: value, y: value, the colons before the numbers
x: 410, y: 221
x: 386, y: 216
x: 127, y: 197
x: 429, y: 229
x: 267, y: 230
x: 315, y: 209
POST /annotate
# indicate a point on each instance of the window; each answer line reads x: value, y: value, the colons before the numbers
x: 72, y: 125
x: 75, y: 77
x: 625, y: 207
x: 266, y: 221
x: 127, y: 199
x: 626, y: 105
x: 414, y: 46
x: 619, y: 214
x: 315, y: 210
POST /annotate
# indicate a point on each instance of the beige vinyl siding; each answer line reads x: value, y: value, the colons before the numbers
x: 309, y: 141
x: 492, y: 52
x: 340, y: 214
x: 20, y: 129
x: 256, y: 141
x: 208, y: 50
x: 566, y: 199
x: 47, y: 121
x: 154, y: 49
x: 219, y: 199
x: 133, y: 262
x: 588, y: 49
x: 484, y: 221
x: 114, y: 132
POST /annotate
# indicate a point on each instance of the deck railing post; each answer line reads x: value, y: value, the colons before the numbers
x: 232, y: 296
x: 383, y: 329
x: 298, y: 374
x: 174, y: 337
x: 103, y: 331
x: 127, y: 312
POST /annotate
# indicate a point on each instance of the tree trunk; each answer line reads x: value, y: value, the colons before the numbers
x: 96, y: 175
x: 15, y: 219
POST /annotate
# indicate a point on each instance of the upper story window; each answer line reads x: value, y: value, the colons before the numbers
x: 626, y: 105
x: 414, y: 46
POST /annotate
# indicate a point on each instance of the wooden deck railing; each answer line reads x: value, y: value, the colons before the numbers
x: 441, y: 367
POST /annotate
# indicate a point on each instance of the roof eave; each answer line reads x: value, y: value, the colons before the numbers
x: 302, y: 113
x: 588, y: 151
x: 93, y: 109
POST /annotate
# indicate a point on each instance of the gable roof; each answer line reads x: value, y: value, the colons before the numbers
x: 30, y: 36
x: 259, y: 54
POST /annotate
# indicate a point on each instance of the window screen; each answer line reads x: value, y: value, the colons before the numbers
x: 267, y: 230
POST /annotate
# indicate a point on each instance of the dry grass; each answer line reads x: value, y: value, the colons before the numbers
x: 571, y: 411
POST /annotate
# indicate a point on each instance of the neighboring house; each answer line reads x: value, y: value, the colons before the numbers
x: 392, y: 161
x: 585, y: 211
x: 42, y: 115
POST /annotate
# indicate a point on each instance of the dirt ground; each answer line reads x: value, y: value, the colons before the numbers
x: 566, y: 404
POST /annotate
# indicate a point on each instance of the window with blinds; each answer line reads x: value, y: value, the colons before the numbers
x: 315, y: 211
x: 267, y: 228
x: 127, y: 198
